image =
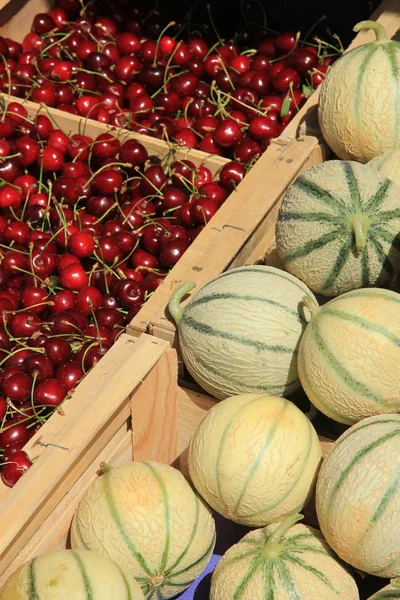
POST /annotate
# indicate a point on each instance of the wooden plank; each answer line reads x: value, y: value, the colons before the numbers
x: 54, y: 532
x: 16, y: 16
x: 154, y: 408
x: 227, y: 233
x: 92, y: 416
x: 76, y: 124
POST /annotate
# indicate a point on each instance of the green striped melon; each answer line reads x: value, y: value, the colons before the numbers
x: 390, y: 592
x: 145, y: 516
x: 240, y: 333
x: 71, y: 575
x: 349, y: 355
x: 282, y: 562
x: 358, y: 496
x: 338, y: 228
x: 359, y: 101
x: 388, y: 164
x: 255, y: 458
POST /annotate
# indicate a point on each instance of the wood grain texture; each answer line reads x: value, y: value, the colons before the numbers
x: 154, y: 408
x: 92, y: 416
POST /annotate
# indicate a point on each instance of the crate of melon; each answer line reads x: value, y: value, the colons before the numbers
x: 211, y: 534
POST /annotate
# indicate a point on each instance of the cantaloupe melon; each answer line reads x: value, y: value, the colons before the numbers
x: 388, y: 164
x: 281, y: 562
x: 338, y: 228
x: 389, y: 592
x: 71, y: 575
x: 350, y: 354
x: 240, y: 332
x: 359, y: 107
x: 145, y: 516
x: 254, y: 458
x: 358, y: 496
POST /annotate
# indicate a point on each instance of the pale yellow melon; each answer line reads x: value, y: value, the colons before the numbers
x: 254, y: 458
x: 349, y: 355
x: 388, y: 164
x: 146, y: 516
x: 282, y: 562
x: 359, y: 106
x: 358, y: 496
x: 71, y: 575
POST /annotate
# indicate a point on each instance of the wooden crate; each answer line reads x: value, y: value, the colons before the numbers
x: 299, y: 147
x: 129, y: 406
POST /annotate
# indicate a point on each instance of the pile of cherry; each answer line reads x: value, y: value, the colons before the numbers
x: 216, y: 98
x: 88, y: 230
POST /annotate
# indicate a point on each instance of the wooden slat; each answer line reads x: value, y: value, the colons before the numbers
x: 54, y: 532
x: 154, y: 410
x: 76, y: 124
x: 225, y: 237
x: 16, y: 16
x: 95, y: 413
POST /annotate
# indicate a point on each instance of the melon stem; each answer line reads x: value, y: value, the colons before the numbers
x: 377, y: 28
x: 359, y: 226
x: 105, y: 468
x: 174, y: 304
x: 310, y: 304
x: 273, y: 548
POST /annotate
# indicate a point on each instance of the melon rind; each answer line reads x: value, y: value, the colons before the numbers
x: 146, y: 516
x: 314, y: 234
x: 255, y: 459
x: 71, y: 574
x: 358, y: 496
x: 388, y: 164
x: 350, y: 354
x: 358, y: 107
x: 240, y: 333
x: 308, y: 570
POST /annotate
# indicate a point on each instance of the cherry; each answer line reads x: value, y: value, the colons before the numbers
x: 109, y: 250
x: 128, y: 43
x: 10, y: 196
x: 231, y: 175
x: 50, y: 392
x: 15, y: 468
x: 109, y: 318
x: 58, y: 350
x: 63, y: 300
x: 143, y: 260
x: 73, y: 277
x: 246, y: 150
x: 286, y: 42
x: 88, y: 300
x: 129, y: 292
x: 107, y: 182
x: 304, y: 61
x: 11, y: 450
x: 43, y: 263
x: 24, y: 324
x: 13, y: 431
x: 17, y: 387
x: 16, y: 231
x: 50, y: 159
x: 172, y: 251
x: 65, y: 323
x: 100, y: 334
x: 35, y: 299
x: 318, y: 75
x: 263, y: 128
x: 286, y: 79
x: 228, y: 133
x: 69, y: 374
x: 81, y: 244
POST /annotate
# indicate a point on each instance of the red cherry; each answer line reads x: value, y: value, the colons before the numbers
x: 143, y: 260
x: 13, y: 431
x: 58, y: 350
x: 35, y: 299
x: 81, y: 244
x: 172, y: 251
x: 38, y: 366
x: 263, y: 128
x: 24, y: 324
x: 286, y: 79
x: 203, y: 210
x: 318, y: 75
x: 50, y: 159
x: 304, y: 61
x: 65, y: 323
x: 88, y: 300
x: 286, y: 42
x: 17, y: 387
x: 69, y: 374
x: 246, y: 150
x: 13, y: 470
x: 49, y: 393
x: 10, y: 196
x: 63, y: 300
x: 73, y: 277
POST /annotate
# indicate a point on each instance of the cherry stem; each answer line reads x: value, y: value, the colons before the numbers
x: 171, y: 24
